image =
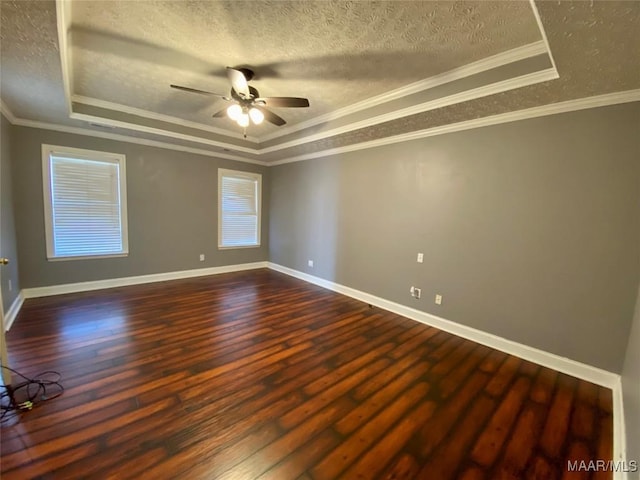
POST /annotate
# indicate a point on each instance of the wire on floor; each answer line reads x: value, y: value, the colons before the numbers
x: 28, y: 393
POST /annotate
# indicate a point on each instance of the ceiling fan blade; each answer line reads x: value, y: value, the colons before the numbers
x: 220, y: 114
x: 271, y: 117
x: 284, y: 101
x: 238, y: 82
x: 195, y: 90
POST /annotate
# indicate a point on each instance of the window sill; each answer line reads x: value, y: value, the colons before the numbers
x: 235, y: 247
x: 87, y: 257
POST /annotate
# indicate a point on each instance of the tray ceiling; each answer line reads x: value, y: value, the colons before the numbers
x: 370, y: 69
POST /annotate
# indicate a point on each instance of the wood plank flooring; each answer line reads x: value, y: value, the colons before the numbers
x: 258, y: 375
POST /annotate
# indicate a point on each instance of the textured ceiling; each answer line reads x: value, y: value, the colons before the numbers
x: 596, y: 47
x: 334, y: 53
x: 31, y: 75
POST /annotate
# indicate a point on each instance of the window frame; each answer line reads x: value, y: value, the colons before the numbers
x: 222, y: 172
x: 91, y: 155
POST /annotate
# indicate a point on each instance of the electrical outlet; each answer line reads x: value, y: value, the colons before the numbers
x: 438, y: 299
x: 420, y: 257
x: 310, y: 263
x: 415, y: 292
x: 202, y: 257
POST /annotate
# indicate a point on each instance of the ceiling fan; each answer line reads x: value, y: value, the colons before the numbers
x: 248, y: 106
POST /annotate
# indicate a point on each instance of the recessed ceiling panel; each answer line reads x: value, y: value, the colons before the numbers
x: 371, y: 70
x: 334, y: 53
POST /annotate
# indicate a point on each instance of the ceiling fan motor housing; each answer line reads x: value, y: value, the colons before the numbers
x: 247, y: 72
x: 253, y: 93
x: 247, y: 100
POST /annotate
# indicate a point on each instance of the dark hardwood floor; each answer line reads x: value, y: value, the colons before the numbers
x: 259, y: 375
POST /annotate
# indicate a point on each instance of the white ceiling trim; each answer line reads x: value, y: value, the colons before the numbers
x: 494, y: 61
x: 504, y: 58
x: 544, y: 110
x: 157, y: 131
x: 6, y: 111
x: 63, y: 16
x: 536, y: 14
x: 95, y: 102
x: 486, y: 90
x: 465, y: 96
x: 127, y: 139
x: 477, y: 67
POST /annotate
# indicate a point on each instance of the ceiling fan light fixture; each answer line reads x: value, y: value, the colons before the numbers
x: 234, y: 112
x: 256, y: 116
x: 243, y: 120
x: 247, y: 105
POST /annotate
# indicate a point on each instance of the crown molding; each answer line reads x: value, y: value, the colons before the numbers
x: 94, y: 102
x: 128, y: 139
x: 465, y: 96
x: 6, y: 111
x: 545, y: 40
x: 63, y: 11
x: 63, y: 8
x: 63, y: 16
x: 63, y: 20
x: 494, y: 61
x: 607, y: 99
x: 157, y: 131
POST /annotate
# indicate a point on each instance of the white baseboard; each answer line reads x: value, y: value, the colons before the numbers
x: 140, y: 279
x: 619, y: 428
x: 561, y: 364
x: 540, y: 357
x: 550, y: 360
x: 13, y: 311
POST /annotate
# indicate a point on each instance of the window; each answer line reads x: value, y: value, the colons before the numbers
x: 238, y: 209
x: 85, y: 203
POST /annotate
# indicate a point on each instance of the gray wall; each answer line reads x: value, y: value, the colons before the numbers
x: 171, y: 207
x: 8, y: 273
x: 530, y: 230
x: 631, y: 388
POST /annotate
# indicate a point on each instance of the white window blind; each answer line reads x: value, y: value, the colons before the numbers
x: 84, y: 203
x: 239, y: 209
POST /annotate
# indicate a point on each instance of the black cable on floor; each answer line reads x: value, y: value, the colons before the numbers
x: 28, y: 393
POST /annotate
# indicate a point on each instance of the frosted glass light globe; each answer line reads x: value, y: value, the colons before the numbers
x: 256, y: 116
x: 243, y: 120
x: 234, y: 112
